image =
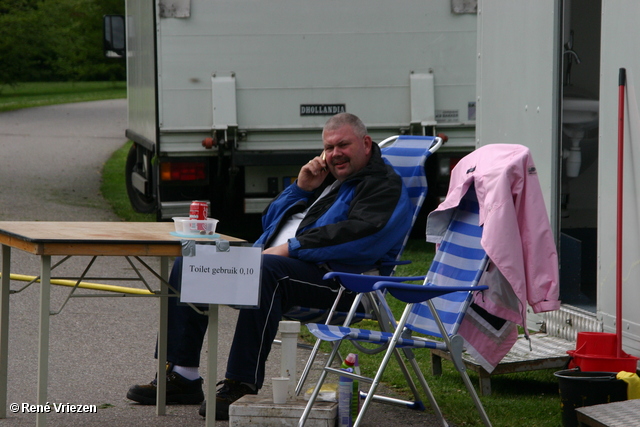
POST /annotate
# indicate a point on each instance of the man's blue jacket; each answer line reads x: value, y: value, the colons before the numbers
x: 361, y: 222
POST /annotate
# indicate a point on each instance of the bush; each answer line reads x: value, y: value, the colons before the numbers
x: 56, y: 41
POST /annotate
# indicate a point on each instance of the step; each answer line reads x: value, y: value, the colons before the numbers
x: 252, y: 410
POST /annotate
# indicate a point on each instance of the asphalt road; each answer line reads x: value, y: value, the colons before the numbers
x: 50, y: 170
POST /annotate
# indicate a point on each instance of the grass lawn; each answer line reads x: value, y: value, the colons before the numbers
x: 26, y: 95
x: 525, y: 399
x: 114, y: 190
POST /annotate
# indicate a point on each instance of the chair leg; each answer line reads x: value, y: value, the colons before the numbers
x: 374, y: 384
x: 307, y: 367
x: 414, y: 364
x: 456, y: 343
x: 415, y: 404
x: 428, y: 392
x: 386, y: 325
x: 383, y: 365
x: 418, y: 405
x: 408, y: 354
x: 316, y: 347
x: 316, y: 390
x: 312, y: 399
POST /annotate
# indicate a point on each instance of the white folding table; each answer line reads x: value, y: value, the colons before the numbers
x: 122, y: 239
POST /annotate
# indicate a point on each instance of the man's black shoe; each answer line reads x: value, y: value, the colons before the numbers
x: 230, y: 391
x: 179, y: 390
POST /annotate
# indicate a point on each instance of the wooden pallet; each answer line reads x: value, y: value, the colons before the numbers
x: 546, y: 352
x: 616, y: 414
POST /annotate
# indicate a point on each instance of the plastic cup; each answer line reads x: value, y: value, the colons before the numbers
x: 280, y: 390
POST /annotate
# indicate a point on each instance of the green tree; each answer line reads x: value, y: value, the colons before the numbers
x: 77, y: 29
x: 8, y: 6
x: 24, y: 52
x: 53, y: 40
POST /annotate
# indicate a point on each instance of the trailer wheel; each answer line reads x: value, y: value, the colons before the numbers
x: 141, y: 203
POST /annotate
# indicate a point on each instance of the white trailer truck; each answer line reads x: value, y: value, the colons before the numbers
x: 227, y: 99
x: 256, y: 81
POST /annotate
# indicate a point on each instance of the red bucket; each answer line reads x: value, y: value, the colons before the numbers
x: 597, y: 351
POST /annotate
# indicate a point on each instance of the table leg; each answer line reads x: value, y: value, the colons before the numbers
x: 43, y: 346
x: 161, y: 396
x: 4, y: 327
x: 212, y: 364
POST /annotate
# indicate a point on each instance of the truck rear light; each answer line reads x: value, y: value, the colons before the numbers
x: 183, y: 171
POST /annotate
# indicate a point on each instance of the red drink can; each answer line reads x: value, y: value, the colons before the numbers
x: 200, y: 211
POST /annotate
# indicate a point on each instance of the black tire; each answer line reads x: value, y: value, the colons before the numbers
x: 141, y: 203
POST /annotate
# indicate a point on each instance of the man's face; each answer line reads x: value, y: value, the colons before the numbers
x: 346, y: 153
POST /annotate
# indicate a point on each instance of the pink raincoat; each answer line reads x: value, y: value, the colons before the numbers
x: 518, y: 240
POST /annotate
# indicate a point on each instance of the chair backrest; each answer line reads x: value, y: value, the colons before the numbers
x: 459, y: 261
x: 407, y: 155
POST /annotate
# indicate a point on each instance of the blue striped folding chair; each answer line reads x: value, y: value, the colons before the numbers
x: 407, y: 154
x: 434, y: 309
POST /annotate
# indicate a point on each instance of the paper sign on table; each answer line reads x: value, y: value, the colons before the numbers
x: 230, y: 278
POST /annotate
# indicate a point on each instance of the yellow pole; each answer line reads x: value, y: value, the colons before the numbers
x: 84, y: 285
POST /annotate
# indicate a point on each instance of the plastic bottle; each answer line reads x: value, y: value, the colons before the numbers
x: 345, y: 398
x: 349, y: 392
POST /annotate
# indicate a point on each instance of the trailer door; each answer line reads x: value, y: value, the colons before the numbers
x: 518, y: 84
x: 518, y: 87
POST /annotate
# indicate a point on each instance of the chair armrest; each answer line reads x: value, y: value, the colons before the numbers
x: 364, y: 283
x: 419, y: 293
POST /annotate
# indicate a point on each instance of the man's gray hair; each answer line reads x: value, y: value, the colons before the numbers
x: 342, y: 119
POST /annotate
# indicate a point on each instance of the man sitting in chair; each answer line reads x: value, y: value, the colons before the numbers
x: 347, y: 206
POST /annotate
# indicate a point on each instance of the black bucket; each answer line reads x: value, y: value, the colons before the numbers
x: 578, y: 389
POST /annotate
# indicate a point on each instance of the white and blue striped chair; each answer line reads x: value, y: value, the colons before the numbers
x: 434, y: 309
